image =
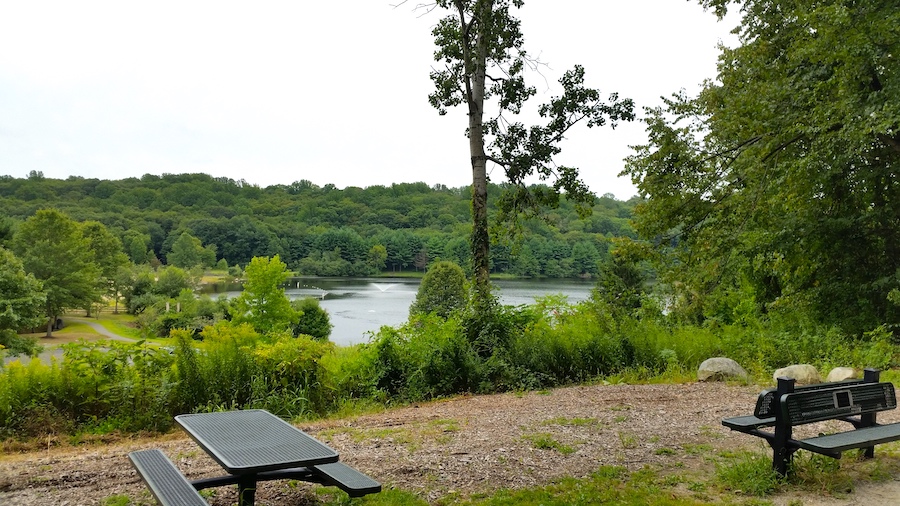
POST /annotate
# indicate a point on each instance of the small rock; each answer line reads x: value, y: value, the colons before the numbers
x: 720, y: 369
x: 803, y: 374
x: 842, y: 374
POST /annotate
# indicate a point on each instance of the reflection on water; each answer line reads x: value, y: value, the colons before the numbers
x: 358, y: 307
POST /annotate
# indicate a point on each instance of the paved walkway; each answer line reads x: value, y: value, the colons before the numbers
x: 56, y: 352
x: 101, y: 329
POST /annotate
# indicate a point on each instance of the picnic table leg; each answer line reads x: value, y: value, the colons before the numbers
x: 247, y: 491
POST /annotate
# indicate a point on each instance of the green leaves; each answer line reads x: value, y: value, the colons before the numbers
x: 480, y: 44
x: 263, y: 302
x: 53, y: 248
x: 22, y: 298
x: 789, y: 155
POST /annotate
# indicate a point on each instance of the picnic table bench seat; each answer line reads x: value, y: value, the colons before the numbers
x: 171, y: 488
x: 344, y: 477
x: 855, y: 402
x: 864, y: 437
x: 165, y: 481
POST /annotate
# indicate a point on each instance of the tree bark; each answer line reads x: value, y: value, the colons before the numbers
x: 476, y: 66
x: 51, y: 321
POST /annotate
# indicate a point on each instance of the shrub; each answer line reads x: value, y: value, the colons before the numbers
x: 348, y: 373
x: 292, y: 365
x: 442, y: 291
x: 314, y: 321
x: 13, y: 344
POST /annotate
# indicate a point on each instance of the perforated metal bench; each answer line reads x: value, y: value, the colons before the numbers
x: 165, y: 481
x: 764, y: 412
x: 171, y: 488
x: 344, y: 477
x: 854, y: 402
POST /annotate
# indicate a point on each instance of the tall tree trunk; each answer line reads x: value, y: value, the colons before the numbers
x: 475, y: 68
x: 51, y: 321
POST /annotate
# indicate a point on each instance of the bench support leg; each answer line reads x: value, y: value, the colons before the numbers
x: 247, y: 491
x: 782, y: 460
x: 869, y: 419
x: 782, y: 455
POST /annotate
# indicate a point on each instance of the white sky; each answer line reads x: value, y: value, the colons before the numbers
x: 330, y: 91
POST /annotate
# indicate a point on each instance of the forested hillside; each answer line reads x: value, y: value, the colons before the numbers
x: 316, y: 230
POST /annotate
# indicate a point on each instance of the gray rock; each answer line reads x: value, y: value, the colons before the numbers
x: 843, y: 373
x: 804, y: 374
x: 720, y: 369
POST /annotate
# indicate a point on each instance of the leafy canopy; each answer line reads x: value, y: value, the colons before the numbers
x: 22, y: 299
x: 780, y: 177
x: 481, y: 48
x: 263, y: 303
x: 53, y: 248
x: 442, y: 290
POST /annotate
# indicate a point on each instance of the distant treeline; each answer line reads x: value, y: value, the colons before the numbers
x: 317, y: 230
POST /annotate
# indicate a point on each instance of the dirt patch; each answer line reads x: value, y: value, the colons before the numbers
x: 459, y: 446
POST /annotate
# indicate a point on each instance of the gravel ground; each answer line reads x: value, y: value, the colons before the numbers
x: 458, y: 446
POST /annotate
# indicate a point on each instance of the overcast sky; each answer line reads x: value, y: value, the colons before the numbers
x: 329, y: 91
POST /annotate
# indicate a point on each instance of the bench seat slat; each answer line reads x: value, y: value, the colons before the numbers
x: 346, y: 478
x: 748, y: 422
x: 859, y: 438
x: 167, y: 484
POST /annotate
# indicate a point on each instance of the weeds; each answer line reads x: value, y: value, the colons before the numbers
x: 105, y: 386
x: 748, y: 474
x: 545, y: 441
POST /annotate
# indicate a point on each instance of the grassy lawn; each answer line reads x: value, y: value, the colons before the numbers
x: 121, y: 324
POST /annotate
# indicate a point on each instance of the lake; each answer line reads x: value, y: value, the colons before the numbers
x: 360, y: 306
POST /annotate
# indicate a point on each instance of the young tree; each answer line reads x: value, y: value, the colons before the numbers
x: 480, y: 45
x: 263, y: 302
x: 187, y: 252
x: 170, y: 281
x: 52, y: 248
x: 377, y: 257
x: 137, y: 246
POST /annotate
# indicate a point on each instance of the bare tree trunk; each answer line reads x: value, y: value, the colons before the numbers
x: 51, y: 321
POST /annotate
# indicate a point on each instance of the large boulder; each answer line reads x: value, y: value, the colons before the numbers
x: 842, y: 374
x: 720, y: 369
x: 803, y: 374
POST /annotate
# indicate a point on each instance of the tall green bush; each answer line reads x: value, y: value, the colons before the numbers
x: 442, y: 291
x: 313, y: 320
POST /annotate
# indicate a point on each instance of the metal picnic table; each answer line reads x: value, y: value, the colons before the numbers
x: 251, y: 446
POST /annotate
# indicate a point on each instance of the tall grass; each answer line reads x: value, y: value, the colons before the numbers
x: 108, y: 386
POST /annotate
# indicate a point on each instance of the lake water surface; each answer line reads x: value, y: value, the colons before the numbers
x: 359, y: 307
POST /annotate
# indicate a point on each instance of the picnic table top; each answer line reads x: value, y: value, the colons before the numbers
x: 254, y: 441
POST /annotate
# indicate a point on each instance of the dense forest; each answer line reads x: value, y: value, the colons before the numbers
x: 316, y: 230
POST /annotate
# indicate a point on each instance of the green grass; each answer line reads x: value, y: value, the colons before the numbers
x: 120, y: 324
x: 608, y: 485
x: 116, y: 323
x: 545, y: 441
x: 748, y: 474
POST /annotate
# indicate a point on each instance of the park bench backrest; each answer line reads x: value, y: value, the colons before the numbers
x: 808, y: 406
x: 765, y: 403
